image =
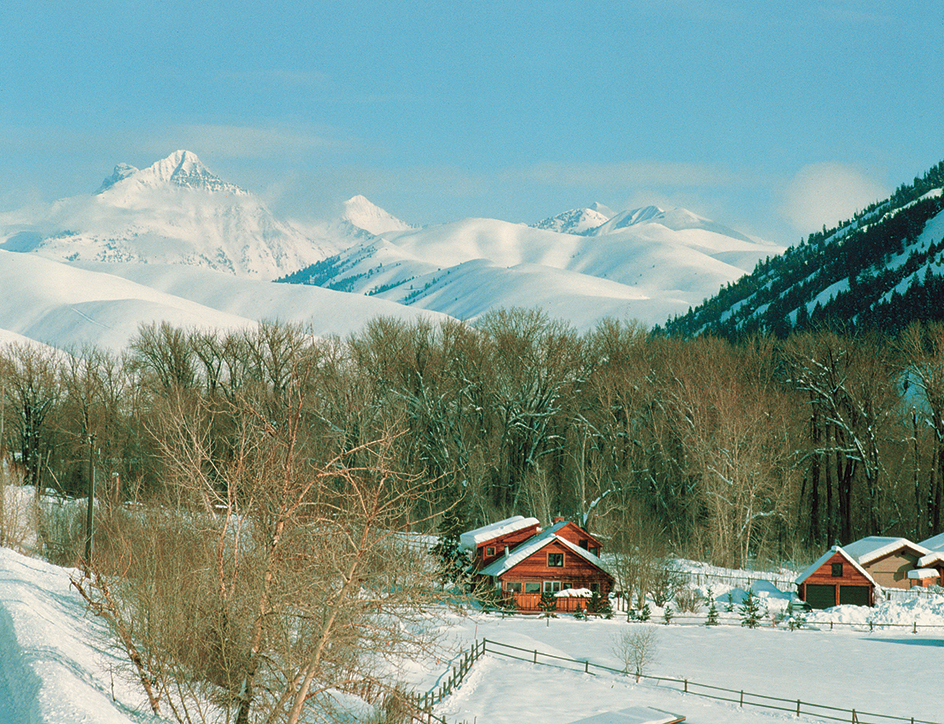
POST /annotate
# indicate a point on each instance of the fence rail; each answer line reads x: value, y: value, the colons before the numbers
x: 687, y: 686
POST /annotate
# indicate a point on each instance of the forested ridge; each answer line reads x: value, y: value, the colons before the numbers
x: 869, y: 272
x: 762, y: 449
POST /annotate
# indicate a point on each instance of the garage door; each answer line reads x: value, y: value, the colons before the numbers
x: 855, y: 595
x: 820, y: 595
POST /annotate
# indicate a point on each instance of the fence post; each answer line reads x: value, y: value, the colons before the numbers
x: 535, y: 656
x: 915, y: 628
x: 742, y: 697
x: 686, y: 686
x: 798, y: 707
x: 586, y: 666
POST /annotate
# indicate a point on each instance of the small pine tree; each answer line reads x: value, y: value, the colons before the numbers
x: 751, y: 613
x: 712, y: 610
x: 548, y: 605
x: 730, y: 607
x: 645, y: 614
x: 667, y: 614
x: 453, y: 561
x: 580, y: 614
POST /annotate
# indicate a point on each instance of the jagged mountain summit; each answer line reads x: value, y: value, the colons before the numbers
x: 882, y: 269
x: 656, y: 264
x: 181, y: 168
x: 174, y: 212
x: 576, y: 221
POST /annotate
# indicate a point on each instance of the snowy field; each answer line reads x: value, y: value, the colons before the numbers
x: 54, y: 668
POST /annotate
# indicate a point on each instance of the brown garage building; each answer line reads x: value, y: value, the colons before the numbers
x: 835, y: 579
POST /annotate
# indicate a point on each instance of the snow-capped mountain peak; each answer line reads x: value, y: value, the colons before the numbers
x: 181, y: 169
x: 575, y: 221
x: 368, y: 216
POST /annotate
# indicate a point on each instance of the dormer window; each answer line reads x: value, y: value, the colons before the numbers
x: 555, y: 560
x: 837, y: 570
x: 489, y: 551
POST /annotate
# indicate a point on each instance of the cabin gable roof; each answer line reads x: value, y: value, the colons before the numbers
x: 534, y: 545
x: 823, y: 559
x: 874, y: 547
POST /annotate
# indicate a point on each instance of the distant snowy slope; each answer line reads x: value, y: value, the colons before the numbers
x: 649, y: 265
x: 173, y: 212
x: 324, y: 311
x: 65, y: 307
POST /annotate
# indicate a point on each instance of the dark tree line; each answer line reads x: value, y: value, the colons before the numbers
x: 723, y: 451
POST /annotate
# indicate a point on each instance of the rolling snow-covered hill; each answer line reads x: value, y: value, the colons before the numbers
x: 646, y: 264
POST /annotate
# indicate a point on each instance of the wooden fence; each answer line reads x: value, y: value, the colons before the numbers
x: 687, y: 686
x: 421, y: 705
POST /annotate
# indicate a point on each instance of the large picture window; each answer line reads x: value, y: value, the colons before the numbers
x: 555, y: 560
x: 532, y: 587
x: 513, y: 586
x: 552, y: 586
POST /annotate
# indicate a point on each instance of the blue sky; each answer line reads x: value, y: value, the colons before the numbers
x: 774, y: 118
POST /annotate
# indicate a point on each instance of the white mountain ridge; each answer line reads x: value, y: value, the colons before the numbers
x: 173, y: 212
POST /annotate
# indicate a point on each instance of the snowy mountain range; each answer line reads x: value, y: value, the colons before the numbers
x: 581, y: 266
x: 174, y: 241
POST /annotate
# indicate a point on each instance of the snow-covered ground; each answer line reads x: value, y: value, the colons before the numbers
x: 56, y: 668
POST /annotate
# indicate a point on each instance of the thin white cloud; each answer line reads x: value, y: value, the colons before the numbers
x: 302, y: 78
x: 822, y: 194
x: 632, y: 174
x: 242, y: 142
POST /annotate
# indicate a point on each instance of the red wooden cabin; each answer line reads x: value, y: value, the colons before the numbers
x: 564, y: 560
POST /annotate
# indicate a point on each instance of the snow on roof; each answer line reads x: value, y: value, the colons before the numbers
x: 934, y: 543
x: 871, y: 548
x: 533, y: 545
x: 825, y: 557
x: 919, y: 573
x: 931, y: 558
x: 472, y: 539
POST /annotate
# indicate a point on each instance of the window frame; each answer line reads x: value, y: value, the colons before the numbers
x: 552, y: 587
x: 558, y: 555
x: 513, y: 586
x: 534, y: 586
x: 489, y: 551
x: 836, y: 569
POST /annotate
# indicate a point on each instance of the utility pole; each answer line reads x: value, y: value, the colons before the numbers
x: 91, y: 502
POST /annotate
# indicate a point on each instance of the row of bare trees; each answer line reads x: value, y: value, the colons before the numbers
x: 725, y: 452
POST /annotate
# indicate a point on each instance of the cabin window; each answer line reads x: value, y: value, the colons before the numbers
x: 837, y: 570
x: 532, y: 587
x: 584, y: 543
x: 595, y: 550
x: 513, y: 586
x: 489, y: 551
x: 552, y: 586
x: 555, y: 560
